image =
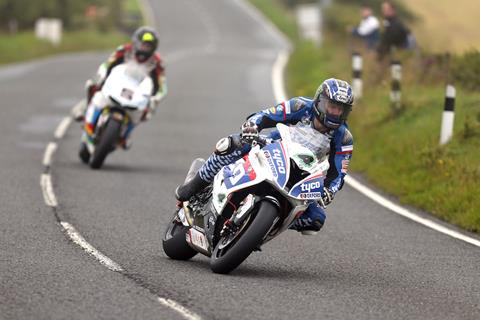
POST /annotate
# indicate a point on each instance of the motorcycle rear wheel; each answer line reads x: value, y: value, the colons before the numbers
x: 174, y: 242
x: 107, y: 143
x: 226, y: 259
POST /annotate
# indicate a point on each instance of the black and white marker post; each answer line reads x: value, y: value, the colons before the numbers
x: 357, y: 65
x: 395, y: 92
x: 448, y: 115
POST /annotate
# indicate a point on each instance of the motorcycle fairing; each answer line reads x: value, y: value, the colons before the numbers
x: 309, y: 188
x: 238, y: 173
x: 236, y: 176
x: 276, y: 157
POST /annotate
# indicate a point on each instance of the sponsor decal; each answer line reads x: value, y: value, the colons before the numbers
x: 198, y: 239
x: 278, y: 158
x: 311, y: 195
x: 276, y: 163
x: 307, y: 187
x: 270, y: 163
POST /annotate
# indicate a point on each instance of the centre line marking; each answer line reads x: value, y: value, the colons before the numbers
x: 62, y: 127
x: 49, y: 151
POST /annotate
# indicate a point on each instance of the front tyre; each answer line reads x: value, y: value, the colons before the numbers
x: 174, y: 242
x: 106, y: 143
x: 224, y: 259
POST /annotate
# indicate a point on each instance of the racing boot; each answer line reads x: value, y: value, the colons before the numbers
x: 311, y: 221
x: 190, y: 188
x: 306, y: 226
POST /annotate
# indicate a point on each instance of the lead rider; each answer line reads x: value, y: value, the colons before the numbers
x: 327, y: 112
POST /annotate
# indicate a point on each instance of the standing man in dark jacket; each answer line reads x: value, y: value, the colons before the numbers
x: 395, y: 33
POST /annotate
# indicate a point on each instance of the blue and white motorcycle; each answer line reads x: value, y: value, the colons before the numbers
x: 252, y: 200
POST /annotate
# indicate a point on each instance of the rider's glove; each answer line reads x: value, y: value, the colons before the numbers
x: 249, y: 131
x: 327, y: 197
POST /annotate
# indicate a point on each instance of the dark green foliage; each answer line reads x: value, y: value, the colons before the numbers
x: 466, y: 70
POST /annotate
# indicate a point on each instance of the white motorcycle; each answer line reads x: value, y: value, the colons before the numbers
x: 125, y: 97
x: 252, y: 200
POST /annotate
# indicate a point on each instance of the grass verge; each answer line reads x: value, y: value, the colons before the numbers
x: 398, y: 153
x: 25, y: 46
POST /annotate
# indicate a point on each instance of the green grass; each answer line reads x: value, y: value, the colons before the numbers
x: 25, y: 46
x: 400, y: 153
x: 284, y: 20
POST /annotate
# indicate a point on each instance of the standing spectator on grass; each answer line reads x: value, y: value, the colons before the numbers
x: 368, y: 29
x: 395, y: 33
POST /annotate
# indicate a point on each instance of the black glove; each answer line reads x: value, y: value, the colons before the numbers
x: 249, y: 132
x: 327, y: 197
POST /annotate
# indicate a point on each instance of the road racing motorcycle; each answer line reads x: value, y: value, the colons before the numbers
x: 126, y: 94
x: 251, y: 201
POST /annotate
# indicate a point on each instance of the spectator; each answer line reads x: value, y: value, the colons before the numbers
x: 368, y: 29
x: 395, y: 33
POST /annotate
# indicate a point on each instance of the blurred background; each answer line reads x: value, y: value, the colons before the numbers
x: 74, y: 25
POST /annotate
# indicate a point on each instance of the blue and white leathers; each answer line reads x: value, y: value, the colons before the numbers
x: 293, y: 111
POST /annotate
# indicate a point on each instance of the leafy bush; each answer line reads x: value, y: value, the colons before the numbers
x: 466, y: 70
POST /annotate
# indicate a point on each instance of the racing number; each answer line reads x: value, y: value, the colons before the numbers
x: 238, y: 173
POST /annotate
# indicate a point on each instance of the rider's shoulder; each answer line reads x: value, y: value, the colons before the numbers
x: 124, y: 47
x: 299, y: 103
x: 122, y: 50
x: 344, y: 134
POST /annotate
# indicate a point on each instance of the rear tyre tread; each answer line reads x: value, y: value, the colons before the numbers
x: 176, y: 247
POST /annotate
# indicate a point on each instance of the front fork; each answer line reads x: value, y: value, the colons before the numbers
x: 90, y: 138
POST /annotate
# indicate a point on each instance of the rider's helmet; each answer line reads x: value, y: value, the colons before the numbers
x: 333, y: 102
x: 145, y: 42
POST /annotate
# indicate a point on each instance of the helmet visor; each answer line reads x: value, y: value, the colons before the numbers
x: 332, y: 113
x: 144, y: 51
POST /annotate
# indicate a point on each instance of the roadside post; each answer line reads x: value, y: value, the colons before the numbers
x: 357, y: 83
x: 395, y: 91
x: 448, y: 116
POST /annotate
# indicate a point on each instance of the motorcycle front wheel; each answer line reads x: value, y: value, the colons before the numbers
x: 106, y: 143
x: 227, y: 257
x: 174, y: 242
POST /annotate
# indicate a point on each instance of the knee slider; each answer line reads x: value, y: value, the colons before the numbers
x: 223, y: 146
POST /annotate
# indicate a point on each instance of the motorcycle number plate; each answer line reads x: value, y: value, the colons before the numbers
x: 198, y: 239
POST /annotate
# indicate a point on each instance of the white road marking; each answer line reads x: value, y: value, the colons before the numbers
x: 62, y: 127
x: 47, y: 190
x: 187, y: 314
x: 277, y: 76
x: 49, y: 151
x: 73, y: 234
x: 79, y: 240
x: 280, y: 95
x: 256, y: 15
x: 406, y: 213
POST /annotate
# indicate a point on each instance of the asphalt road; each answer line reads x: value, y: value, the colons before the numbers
x: 367, y: 263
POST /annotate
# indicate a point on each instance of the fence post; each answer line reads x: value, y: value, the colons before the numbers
x: 396, y: 92
x: 448, y: 115
x: 357, y: 83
